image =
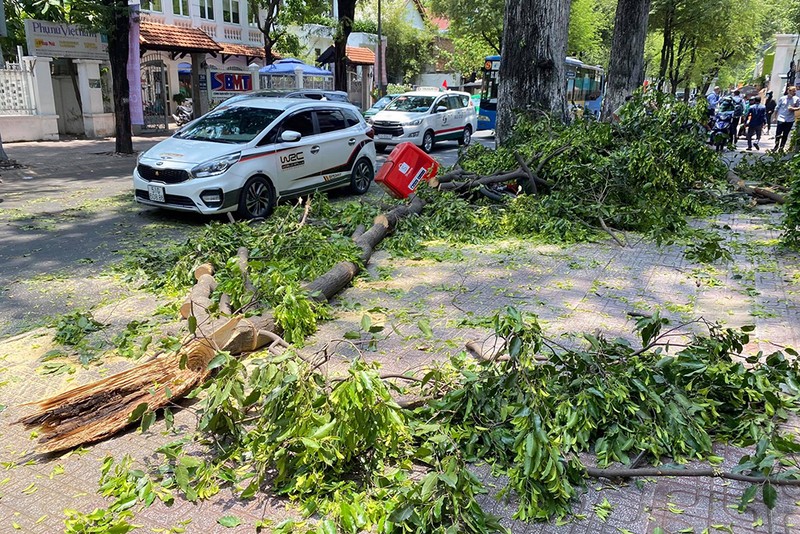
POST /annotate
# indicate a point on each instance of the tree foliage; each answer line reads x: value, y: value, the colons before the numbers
x: 409, y: 50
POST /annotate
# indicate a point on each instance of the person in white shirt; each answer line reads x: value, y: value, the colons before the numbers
x: 787, y: 105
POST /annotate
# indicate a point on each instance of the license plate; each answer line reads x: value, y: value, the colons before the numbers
x: 156, y: 193
x: 384, y: 136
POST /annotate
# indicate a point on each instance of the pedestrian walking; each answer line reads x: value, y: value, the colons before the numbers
x: 787, y: 105
x: 713, y: 99
x: 756, y: 118
x: 738, y: 112
x: 770, y: 105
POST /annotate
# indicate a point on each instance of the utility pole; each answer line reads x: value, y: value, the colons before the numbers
x: 379, y: 60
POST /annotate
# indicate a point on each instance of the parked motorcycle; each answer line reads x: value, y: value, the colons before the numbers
x: 184, y: 113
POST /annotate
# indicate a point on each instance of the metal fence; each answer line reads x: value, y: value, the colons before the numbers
x: 16, y: 90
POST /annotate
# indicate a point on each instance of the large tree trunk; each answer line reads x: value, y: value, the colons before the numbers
x: 3, y: 155
x: 532, y: 72
x: 347, y: 12
x: 626, y: 68
x: 118, y: 55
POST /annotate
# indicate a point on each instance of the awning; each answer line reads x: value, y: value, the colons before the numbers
x: 154, y: 36
x: 356, y: 55
x: 249, y: 52
x: 287, y: 67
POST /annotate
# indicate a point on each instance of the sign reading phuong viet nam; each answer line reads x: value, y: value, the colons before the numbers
x: 55, y: 39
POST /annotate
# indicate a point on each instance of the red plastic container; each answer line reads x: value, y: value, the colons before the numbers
x: 404, y: 168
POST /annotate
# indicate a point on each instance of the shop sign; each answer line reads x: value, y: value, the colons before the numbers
x: 55, y: 39
x: 225, y: 83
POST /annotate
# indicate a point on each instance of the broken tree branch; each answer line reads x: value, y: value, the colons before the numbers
x: 672, y: 472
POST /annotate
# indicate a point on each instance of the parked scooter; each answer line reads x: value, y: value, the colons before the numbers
x: 184, y: 113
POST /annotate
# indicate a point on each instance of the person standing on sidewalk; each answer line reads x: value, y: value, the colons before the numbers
x: 756, y: 118
x: 787, y: 105
x: 770, y: 104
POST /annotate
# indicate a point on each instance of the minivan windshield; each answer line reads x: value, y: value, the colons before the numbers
x: 239, y: 124
x: 412, y: 104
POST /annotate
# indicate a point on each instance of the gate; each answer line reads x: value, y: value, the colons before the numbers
x: 154, y: 93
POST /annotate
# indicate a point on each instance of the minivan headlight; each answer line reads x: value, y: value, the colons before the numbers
x: 215, y: 166
x: 415, y: 122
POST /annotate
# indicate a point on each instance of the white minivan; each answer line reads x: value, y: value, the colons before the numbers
x: 425, y: 118
x: 246, y: 156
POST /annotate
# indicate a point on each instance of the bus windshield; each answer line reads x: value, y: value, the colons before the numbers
x: 413, y: 104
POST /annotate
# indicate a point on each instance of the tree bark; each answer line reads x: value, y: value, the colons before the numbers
x: 118, y: 56
x: 347, y: 12
x: 626, y: 68
x: 532, y: 71
x: 3, y: 155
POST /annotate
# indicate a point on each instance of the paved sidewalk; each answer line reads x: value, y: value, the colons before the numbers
x: 573, y: 289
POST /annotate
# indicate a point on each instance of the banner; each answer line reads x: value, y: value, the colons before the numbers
x: 56, y: 39
x: 134, y: 69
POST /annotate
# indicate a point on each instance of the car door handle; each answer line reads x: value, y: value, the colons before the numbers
x: 315, y: 149
x: 351, y: 141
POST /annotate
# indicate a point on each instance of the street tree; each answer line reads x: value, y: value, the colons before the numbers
x: 347, y: 14
x: 535, y: 36
x: 626, y: 67
x: 480, y: 22
x: 409, y: 48
x: 275, y: 16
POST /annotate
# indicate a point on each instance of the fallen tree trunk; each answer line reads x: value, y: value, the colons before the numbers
x: 338, y: 277
x: 100, y: 409
x: 759, y: 193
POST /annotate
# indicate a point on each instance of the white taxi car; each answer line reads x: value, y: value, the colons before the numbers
x: 248, y: 155
x: 425, y: 118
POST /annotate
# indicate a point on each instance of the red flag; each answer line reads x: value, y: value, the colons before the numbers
x: 444, y: 84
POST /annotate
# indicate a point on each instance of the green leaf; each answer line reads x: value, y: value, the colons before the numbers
x: 366, y: 322
x: 229, y: 521
x: 352, y: 334
x: 147, y: 421
x: 192, y: 322
x: 425, y: 327
x: 770, y: 495
x: 217, y: 361
x: 429, y: 485
x: 137, y: 412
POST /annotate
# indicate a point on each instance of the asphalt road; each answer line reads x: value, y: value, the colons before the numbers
x: 68, y: 213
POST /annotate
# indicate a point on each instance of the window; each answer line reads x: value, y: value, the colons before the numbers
x: 454, y: 102
x: 152, y: 5
x: 238, y: 124
x: 252, y: 17
x: 206, y: 9
x: 230, y: 11
x: 330, y: 121
x: 301, y: 123
x: 180, y: 7
x: 351, y: 118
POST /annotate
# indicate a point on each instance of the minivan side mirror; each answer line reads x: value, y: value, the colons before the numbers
x: 290, y: 136
x: 441, y: 109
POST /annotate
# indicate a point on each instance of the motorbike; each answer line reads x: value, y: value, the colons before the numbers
x: 183, y: 113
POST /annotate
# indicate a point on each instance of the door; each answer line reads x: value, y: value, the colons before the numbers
x: 298, y: 164
x: 154, y: 93
x: 338, y: 147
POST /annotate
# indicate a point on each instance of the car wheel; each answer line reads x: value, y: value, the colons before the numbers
x: 257, y: 198
x: 362, y: 176
x: 427, y: 141
x: 466, y: 137
x: 380, y: 149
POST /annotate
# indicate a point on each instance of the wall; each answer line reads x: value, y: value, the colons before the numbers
x: 28, y: 128
x: 785, y: 46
